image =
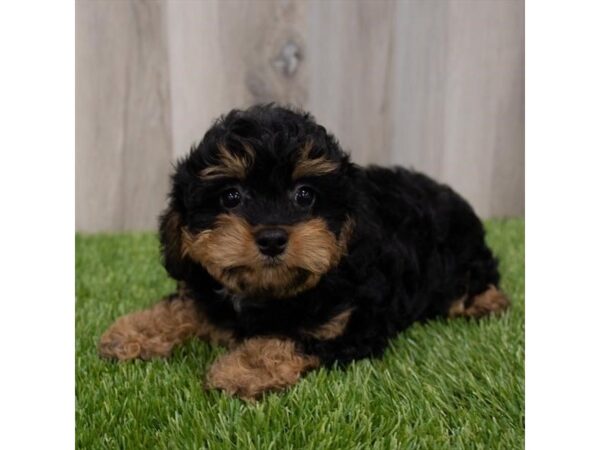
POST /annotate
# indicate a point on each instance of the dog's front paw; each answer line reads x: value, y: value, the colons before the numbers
x: 115, y: 344
x: 257, y: 366
x: 125, y: 344
x: 228, y: 375
x: 140, y: 335
x: 154, y: 332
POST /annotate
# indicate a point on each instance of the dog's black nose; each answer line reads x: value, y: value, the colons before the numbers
x: 271, y: 241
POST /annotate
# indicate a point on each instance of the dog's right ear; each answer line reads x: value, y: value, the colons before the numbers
x: 170, y: 233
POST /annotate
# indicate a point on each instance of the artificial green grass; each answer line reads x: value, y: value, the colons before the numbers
x: 448, y: 384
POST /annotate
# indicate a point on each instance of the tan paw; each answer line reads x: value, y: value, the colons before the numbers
x: 492, y: 301
x: 153, y: 332
x: 257, y: 366
x: 128, y: 344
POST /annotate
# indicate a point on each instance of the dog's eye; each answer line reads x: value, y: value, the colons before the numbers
x: 231, y: 198
x: 305, y: 197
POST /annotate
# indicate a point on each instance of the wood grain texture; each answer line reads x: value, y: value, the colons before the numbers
x: 123, y: 120
x: 457, y: 104
x: 434, y: 85
x: 349, y: 47
x: 232, y: 54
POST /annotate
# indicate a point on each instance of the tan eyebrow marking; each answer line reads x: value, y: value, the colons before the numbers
x: 306, y: 166
x: 230, y: 164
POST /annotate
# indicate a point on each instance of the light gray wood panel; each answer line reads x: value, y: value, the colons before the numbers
x: 484, y: 117
x: 416, y: 96
x: 431, y: 84
x: 123, y: 131
x: 507, y: 196
x: 231, y: 54
x: 348, y: 52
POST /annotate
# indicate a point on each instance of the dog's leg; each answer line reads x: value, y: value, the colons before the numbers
x: 154, y: 332
x: 259, y: 365
x: 491, y: 301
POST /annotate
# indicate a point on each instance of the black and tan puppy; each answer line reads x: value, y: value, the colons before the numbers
x: 293, y: 257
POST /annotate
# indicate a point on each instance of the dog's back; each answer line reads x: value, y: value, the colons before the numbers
x: 439, y: 230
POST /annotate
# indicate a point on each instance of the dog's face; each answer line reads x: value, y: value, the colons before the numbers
x: 263, y: 204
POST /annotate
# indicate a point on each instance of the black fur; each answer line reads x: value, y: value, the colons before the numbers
x: 416, y: 247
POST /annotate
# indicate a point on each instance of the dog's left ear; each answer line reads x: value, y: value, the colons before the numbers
x: 170, y: 234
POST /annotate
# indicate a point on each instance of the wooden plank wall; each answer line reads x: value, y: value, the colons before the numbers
x: 432, y: 84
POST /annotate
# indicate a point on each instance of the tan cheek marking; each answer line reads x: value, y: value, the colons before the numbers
x: 229, y: 243
x: 228, y: 252
x: 311, y: 246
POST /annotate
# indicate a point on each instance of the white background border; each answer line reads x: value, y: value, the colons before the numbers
x: 562, y: 149
x: 37, y: 135
x: 563, y: 224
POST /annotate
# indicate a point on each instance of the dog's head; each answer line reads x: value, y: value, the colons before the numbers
x: 263, y: 204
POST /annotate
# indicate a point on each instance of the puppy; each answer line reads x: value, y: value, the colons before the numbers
x: 293, y: 257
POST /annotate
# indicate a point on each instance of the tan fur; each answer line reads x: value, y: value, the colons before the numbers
x: 154, y: 332
x: 230, y: 164
x: 332, y: 329
x: 310, y: 167
x: 259, y: 365
x: 457, y: 307
x: 229, y: 253
x: 489, y: 302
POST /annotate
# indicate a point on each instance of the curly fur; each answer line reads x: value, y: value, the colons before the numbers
x: 375, y: 251
x: 154, y: 332
x: 259, y: 365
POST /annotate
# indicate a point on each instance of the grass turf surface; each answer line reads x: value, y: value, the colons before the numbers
x: 446, y: 384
